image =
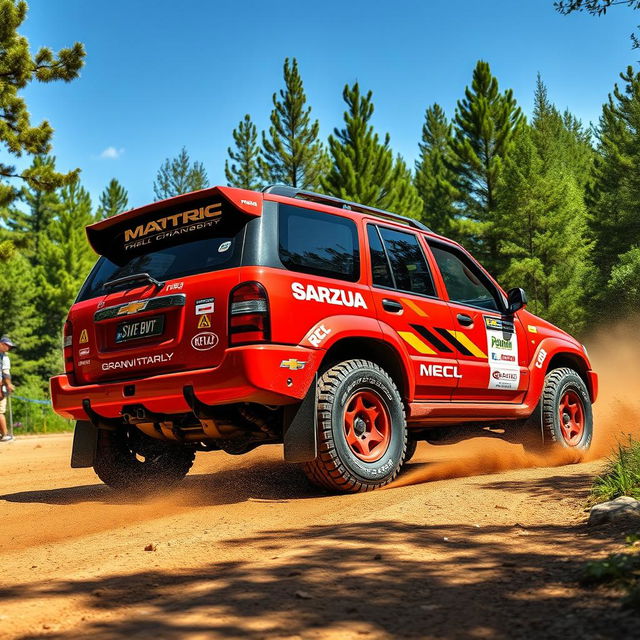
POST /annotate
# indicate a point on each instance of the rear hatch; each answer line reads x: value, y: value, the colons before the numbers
x: 157, y: 299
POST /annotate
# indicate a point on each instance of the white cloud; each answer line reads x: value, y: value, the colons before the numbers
x: 112, y: 153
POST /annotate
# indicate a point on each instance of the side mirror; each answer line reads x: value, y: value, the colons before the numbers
x: 516, y: 300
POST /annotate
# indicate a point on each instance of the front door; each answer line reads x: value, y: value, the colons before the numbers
x: 406, y: 303
x: 491, y: 346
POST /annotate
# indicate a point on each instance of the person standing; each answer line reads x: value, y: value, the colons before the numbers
x: 6, y: 387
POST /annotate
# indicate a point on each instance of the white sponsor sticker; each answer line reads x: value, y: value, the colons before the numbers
x: 132, y: 363
x: 204, y: 341
x: 204, y: 306
x: 339, y: 297
x: 502, y: 349
x: 224, y: 246
x: 317, y: 336
x: 84, y: 352
x: 439, y: 371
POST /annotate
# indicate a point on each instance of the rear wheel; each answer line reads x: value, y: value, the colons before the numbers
x: 563, y: 417
x: 126, y: 458
x: 362, y: 435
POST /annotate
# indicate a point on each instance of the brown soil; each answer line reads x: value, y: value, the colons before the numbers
x: 247, y: 549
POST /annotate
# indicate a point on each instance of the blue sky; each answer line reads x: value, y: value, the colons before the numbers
x: 161, y: 74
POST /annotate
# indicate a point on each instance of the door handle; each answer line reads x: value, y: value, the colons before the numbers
x: 391, y: 305
x: 464, y: 319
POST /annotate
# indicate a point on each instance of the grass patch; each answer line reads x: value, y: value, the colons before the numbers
x: 621, y: 476
x: 31, y: 417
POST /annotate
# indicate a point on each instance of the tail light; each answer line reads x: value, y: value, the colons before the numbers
x: 67, y: 347
x: 248, y: 314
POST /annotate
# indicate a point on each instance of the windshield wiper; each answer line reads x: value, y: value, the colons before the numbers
x: 135, y: 277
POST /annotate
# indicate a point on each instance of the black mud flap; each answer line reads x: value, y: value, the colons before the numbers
x: 300, y: 427
x: 85, y: 441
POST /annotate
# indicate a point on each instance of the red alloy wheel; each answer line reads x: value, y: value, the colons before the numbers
x: 367, y: 426
x: 572, y: 418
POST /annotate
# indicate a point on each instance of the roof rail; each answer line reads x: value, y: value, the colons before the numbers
x: 293, y: 192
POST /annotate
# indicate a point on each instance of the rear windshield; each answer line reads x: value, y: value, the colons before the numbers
x: 220, y: 249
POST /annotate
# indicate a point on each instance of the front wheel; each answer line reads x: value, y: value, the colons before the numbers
x: 362, y: 435
x: 564, y: 417
x: 126, y: 458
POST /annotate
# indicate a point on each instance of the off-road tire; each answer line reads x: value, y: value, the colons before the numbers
x: 119, y: 465
x: 412, y: 445
x: 336, y: 466
x: 543, y: 430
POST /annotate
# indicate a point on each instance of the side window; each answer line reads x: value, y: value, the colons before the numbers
x: 380, y: 272
x: 463, y: 280
x: 405, y: 260
x: 318, y: 243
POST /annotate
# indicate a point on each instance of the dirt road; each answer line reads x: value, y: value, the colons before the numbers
x: 246, y: 548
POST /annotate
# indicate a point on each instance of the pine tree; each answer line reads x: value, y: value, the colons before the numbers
x: 292, y: 153
x: 246, y: 173
x: 17, y: 69
x: 364, y: 169
x: 541, y: 220
x: 614, y: 200
x: 65, y: 261
x: 178, y: 176
x: 113, y: 200
x: 485, y: 125
x: 433, y: 177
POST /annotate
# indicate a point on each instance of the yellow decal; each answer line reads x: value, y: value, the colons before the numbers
x: 416, y: 343
x: 414, y: 307
x: 532, y: 329
x: 292, y: 364
x: 204, y: 322
x: 132, y: 307
x: 462, y: 339
x: 84, y: 336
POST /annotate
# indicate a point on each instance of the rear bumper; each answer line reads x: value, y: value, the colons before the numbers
x: 247, y: 374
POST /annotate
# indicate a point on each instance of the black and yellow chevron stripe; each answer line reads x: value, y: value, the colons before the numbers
x: 438, y: 340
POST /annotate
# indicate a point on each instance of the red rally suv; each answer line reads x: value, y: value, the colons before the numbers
x: 228, y: 319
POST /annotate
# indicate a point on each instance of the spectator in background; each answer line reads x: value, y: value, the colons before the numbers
x: 6, y: 387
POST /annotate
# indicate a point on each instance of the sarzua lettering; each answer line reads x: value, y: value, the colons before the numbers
x: 338, y: 297
x: 439, y: 371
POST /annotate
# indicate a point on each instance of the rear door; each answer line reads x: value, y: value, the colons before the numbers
x: 491, y: 346
x: 405, y: 299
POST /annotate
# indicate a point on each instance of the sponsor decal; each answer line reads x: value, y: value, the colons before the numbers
x: 205, y: 305
x: 175, y: 224
x: 292, y: 364
x: 84, y: 352
x: 502, y: 346
x: 204, y: 341
x: 84, y: 337
x: 84, y: 363
x: 140, y: 361
x: 204, y: 322
x: 251, y: 203
x: 224, y: 246
x: 542, y: 354
x: 439, y: 371
x: 176, y: 286
x: 532, y: 328
x: 132, y: 307
x: 318, y: 335
x: 339, y: 297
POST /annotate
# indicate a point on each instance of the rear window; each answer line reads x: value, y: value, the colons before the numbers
x: 318, y: 243
x: 204, y: 250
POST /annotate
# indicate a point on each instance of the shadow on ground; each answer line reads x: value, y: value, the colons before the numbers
x: 382, y: 579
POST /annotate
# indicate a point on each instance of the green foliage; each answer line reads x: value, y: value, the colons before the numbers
x: 541, y: 219
x: 624, y: 283
x: 244, y: 173
x: 18, y: 67
x: 32, y: 417
x: 113, y: 200
x: 292, y: 153
x: 614, y: 199
x: 178, y: 176
x: 364, y: 169
x: 485, y: 125
x: 433, y: 177
x: 621, y: 476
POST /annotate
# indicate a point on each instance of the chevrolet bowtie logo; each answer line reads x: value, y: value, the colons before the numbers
x: 132, y: 307
x: 292, y: 364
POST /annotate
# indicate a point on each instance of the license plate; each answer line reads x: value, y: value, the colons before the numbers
x: 138, y: 329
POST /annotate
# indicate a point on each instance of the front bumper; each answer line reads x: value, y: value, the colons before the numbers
x: 252, y: 373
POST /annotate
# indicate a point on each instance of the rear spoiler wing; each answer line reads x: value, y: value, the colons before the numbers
x: 184, y: 208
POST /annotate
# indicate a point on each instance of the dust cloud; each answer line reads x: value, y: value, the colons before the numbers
x: 615, y: 355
